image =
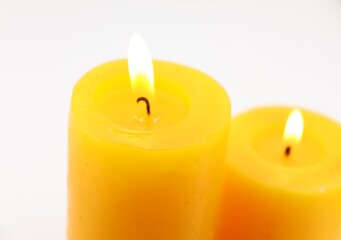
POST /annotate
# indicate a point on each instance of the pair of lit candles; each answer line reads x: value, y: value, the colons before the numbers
x: 163, y: 163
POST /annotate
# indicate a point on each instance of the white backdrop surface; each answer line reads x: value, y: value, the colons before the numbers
x: 263, y: 52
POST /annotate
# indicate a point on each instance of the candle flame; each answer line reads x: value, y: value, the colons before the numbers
x: 140, y: 66
x: 294, y: 128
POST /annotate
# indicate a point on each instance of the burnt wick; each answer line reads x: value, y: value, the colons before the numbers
x: 287, y: 151
x: 144, y: 99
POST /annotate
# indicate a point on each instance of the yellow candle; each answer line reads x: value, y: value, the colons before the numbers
x: 138, y: 175
x: 282, y: 187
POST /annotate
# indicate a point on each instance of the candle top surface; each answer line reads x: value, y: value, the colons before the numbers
x: 189, y: 107
x: 257, y: 150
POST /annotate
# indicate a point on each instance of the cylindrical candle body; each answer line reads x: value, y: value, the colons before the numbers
x: 151, y: 177
x: 272, y: 197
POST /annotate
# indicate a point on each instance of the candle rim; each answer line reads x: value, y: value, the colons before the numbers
x: 310, y: 172
x: 161, y: 67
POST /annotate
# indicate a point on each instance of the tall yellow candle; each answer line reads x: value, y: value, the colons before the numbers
x: 145, y: 163
x: 280, y: 185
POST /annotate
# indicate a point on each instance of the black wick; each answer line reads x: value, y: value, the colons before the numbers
x: 287, y: 151
x: 146, y: 101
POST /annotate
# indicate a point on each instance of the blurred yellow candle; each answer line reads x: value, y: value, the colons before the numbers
x: 283, y: 179
x: 147, y: 169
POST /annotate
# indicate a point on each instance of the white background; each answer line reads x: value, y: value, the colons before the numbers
x: 262, y: 51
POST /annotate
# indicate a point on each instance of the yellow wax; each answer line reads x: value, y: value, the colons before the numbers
x: 272, y: 197
x: 138, y: 177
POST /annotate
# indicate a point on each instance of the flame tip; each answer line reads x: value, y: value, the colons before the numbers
x: 140, y: 63
x: 294, y: 127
